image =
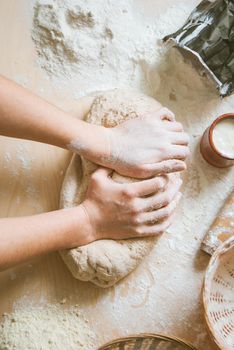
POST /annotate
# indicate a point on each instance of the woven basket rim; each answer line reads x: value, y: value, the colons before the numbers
x: 148, y: 335
x: 221, y: 250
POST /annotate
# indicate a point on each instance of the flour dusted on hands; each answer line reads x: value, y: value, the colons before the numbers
x: 105, y: 262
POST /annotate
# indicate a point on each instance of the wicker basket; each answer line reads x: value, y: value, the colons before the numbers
x: 147, y: 341
x: 218, y: 296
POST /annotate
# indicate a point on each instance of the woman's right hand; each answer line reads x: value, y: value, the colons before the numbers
x: 154, y: 144
x: 138, y: 209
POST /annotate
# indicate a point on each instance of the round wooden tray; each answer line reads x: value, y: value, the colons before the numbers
x: 218, y: 296
x: 147, y: 341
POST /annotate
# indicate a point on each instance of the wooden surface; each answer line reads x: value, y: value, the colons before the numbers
x: 222, y: 228
x: 30, y: 180
x: 31, y: 173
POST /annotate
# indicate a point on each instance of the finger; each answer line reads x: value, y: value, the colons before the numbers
x: 146, y: 187
x: 176, y: 152
x: 161, y: 199
x: 173, y: 126
x: 160, y: 214
x: 179, y: 138
x: 103, y: 173
x: 166, y: 114
x: 154, y: 230
x: 162, y: 113
x: 161, y: 168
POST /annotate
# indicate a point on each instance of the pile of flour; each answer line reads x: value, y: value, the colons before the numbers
x: 49, y: 327
x: 100, y: 45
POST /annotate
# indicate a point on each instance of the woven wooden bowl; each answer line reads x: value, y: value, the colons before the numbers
x: 218, y: 296
x: 147, y: 341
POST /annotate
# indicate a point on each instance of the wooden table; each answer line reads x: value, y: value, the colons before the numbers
x: 30, y: 181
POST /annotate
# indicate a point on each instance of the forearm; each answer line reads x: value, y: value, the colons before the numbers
x: 26, y: 237
x: 133, y: 148
x: 25, y: 115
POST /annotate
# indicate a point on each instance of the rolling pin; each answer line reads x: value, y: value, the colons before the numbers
x: 222, y: 228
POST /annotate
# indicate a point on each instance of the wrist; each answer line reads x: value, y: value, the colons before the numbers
x: 92, y: 142
x: 79, y: 231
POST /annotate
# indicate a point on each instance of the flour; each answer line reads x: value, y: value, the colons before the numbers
x: 111, y: 41
x: 24, y: 156
x: 7, y: 157
x: 50, y: 327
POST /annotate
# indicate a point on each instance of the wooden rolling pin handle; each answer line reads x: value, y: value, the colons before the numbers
x: 222, y: 227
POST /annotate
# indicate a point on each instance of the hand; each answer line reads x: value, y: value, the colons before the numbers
x: 138, y: 209
x: 145, y: 147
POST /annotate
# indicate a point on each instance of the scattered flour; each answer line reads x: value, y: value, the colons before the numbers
x: 100, y: 45
x: 7, y: 157
x: 23, y: 154
x: 88, y: 46
x: 50, y: 327
x: 18, y: 164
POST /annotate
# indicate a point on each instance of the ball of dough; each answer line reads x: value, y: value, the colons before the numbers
x: 105, y: 262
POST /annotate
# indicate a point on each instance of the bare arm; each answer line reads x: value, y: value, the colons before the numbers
x: 26, y: 237
x: 27, y: 116
x: 140, y: 148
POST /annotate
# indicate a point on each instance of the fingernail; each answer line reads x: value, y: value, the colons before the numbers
x: 169, y: 113
x: 181, y: 165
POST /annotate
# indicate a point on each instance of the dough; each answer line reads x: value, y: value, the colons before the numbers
x: 105, y: 262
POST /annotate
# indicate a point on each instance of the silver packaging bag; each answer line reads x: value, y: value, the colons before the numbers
x: 209, y: 35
